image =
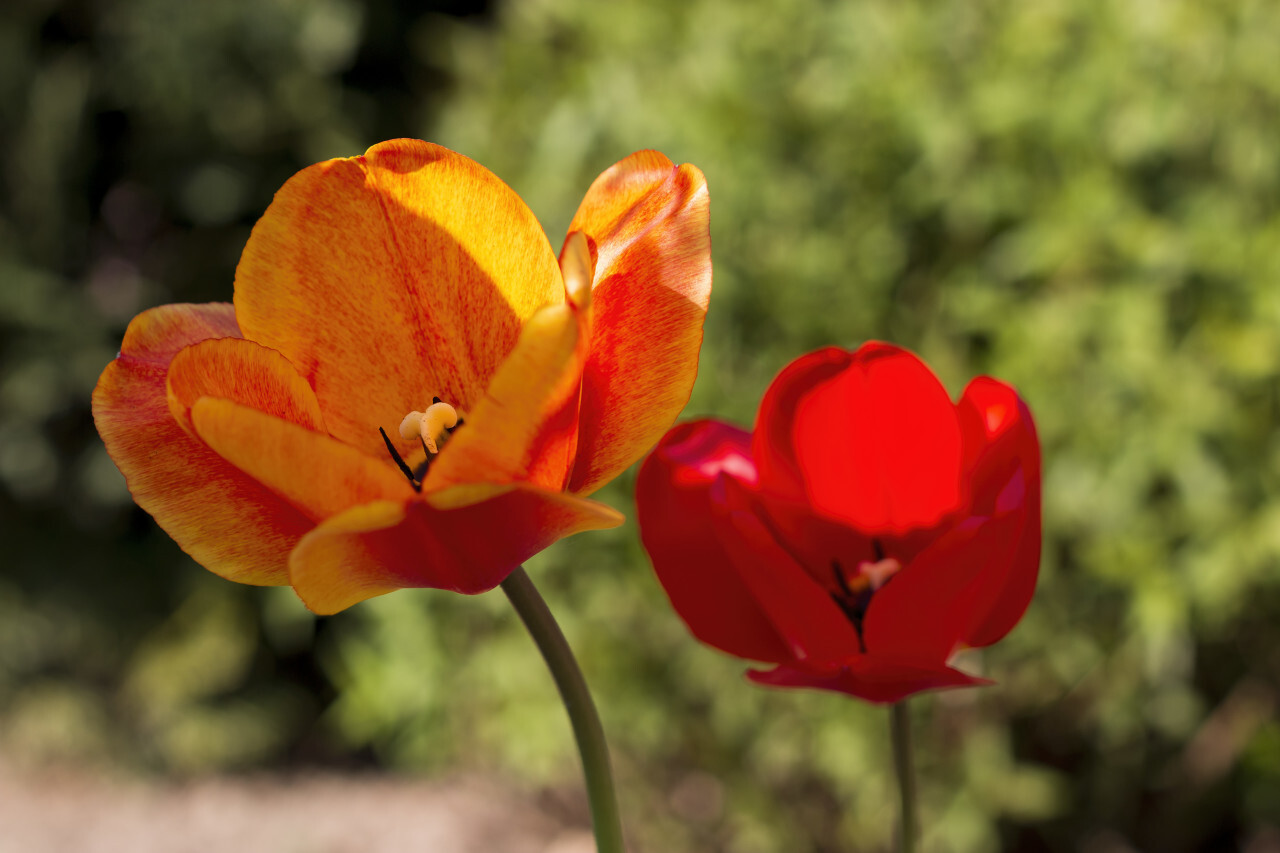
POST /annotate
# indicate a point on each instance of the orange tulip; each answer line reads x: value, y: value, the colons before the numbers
x: 254, y: 433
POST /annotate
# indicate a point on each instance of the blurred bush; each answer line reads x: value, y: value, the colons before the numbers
x: 1078, y: 197
x: 142, y: 139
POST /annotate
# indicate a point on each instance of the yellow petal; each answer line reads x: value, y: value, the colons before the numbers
x: 391, y: 278
x: 524, y: 428
x: 318, y: 475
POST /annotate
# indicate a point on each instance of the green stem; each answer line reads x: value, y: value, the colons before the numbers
x: 577, y: 701
x: 900, y: 733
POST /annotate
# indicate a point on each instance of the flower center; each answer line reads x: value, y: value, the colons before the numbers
x: 432, y: 429
x: 870, y: 576
x: 431, y: 426
x: 857, y: 587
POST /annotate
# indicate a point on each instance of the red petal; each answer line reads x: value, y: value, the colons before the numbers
x: 393, y: 277
x: 800, y: 608
x: 930, y: 607
x: 1002, y: 461
x: 868, y: 438
x: 818, y: 543
x: 726, y: 577
x: 466, y: 539
x: 873, y: 677
x: 648, y: 219
x: 673, y: 509
x: 225, y: 520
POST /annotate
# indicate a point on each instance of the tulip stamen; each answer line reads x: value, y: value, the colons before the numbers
x: 841, y: 580
x: 449, y: 429
x: 853, y: 604
x: 431, y: 426
x: 857, y: 588
x: 432, y: 429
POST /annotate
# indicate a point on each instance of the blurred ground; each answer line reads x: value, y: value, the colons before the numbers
x: 78, y: 811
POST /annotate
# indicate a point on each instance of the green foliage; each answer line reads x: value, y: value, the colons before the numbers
x: 1077, y: 197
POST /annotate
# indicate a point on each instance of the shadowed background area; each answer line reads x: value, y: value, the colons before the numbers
x: 1077, y: 197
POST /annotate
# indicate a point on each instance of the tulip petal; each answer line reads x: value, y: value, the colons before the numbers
x: 226, y: 521
x: 875, y: 677
x: 522, y: 429
x: 745, y: 596
x: 929, y: 608
x: 673, y: 508
x: 438, y: 541
x: 801, y: 609
x: 869, y: 438
x: 1002, y: 456
x: 158, y: 334
x: 391, y: 278
x: 648, y: 219
x: 317, y: 474
x: 818, y: 543
x: 243, y: 372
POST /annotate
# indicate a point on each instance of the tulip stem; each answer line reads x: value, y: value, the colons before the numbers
x: 577, y: 701
x: 900, y: 734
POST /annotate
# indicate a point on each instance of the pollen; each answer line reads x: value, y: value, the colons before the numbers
x: 868, y: 577
x: 875, y: 575
x: 432, y: 426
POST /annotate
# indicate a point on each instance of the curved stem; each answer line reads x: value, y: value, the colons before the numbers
x: 900, y: 733
x: 577, y: 701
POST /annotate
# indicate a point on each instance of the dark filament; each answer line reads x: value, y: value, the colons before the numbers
x: 421, y: 473
x: 855, y: 604
x: 404, y: 469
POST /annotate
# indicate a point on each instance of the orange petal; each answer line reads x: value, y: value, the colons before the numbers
x: 391, y: 278
x: 524, y: 428
x: 435, y: 542
x: 243, y: 372
x: 225, y: 520
x: 157, y: 335
x: 317, y: 474
x: 649, y: 221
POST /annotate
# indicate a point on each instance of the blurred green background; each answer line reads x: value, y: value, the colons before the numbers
x: 1078, y: 196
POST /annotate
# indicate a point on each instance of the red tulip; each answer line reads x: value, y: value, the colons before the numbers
x: 865, y: 532
x: 281, y: 440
